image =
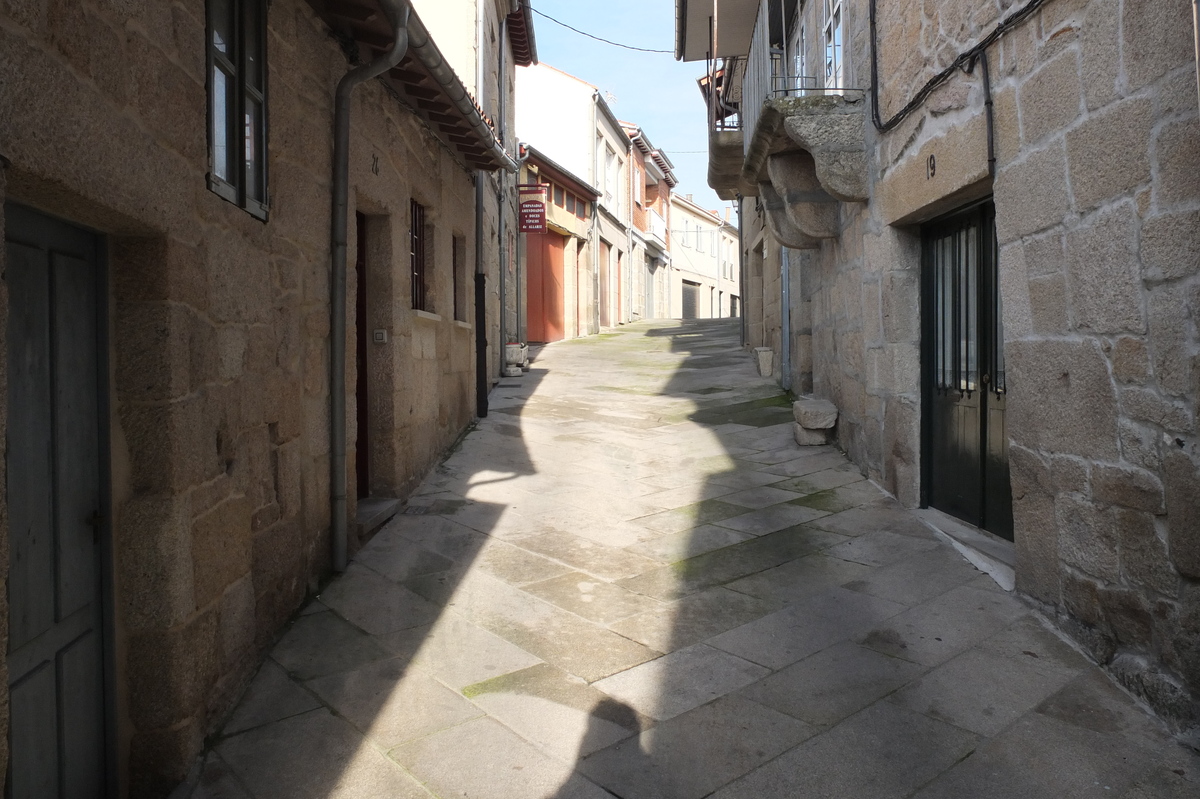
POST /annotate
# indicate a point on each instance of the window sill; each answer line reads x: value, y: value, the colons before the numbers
x: 462, y: 324
x: 427, y: 316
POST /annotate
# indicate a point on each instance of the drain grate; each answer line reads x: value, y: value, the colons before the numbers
x: 416, y: 510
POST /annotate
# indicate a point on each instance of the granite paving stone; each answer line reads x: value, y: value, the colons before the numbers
x: 772, y: 519
x: 825, y: 688
x: 391, y: 703
x: 689, y: 543
x: 315, y: 756
x: 944, y: 626
x: 799, y: 579
x: 916, y: 578
x: 457, y: 652
x: 680, y: 681
x: 483, y: 758
x: 629, y: 581
x: 880, y: 548
x: 594, y: 599
x: 558, y: 712
x: 882, y: 752
x: 689, y: 756
x: 323, y: 643
x: 800, y: 630
x: 692, y: 619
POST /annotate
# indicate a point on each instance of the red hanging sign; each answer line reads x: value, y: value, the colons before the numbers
x: 533, y: 216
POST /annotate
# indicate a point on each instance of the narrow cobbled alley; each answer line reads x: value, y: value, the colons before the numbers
x: 628, y: 580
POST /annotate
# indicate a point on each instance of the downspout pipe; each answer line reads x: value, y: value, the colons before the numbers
x: 397, y: 13
x: 785, y: 377
x: 502, y: 259
x: 481, y: 330
x: 742, y: 266
x: 1196, y: 33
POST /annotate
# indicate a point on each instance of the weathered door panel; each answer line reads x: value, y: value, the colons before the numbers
x: 605, y: 255
x: 56, y: 653
x: 966, y: 447
x: 553, y: 287
x: 691, y: 299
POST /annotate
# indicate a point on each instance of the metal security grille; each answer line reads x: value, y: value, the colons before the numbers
x: 963, y: 257
x: 456, y: 262
x: 417, y: 255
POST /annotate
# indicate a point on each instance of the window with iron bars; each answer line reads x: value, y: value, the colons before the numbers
x: 417, y: 252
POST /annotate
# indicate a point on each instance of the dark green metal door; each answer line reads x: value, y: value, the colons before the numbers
x: 54, y: 474
x: 965, y: 442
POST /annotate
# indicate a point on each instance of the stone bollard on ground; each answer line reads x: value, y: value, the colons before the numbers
x: 765, y: 360
x: 815, y: 419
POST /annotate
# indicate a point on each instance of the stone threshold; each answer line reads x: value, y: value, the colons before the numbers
x: 986, y: 551
x: 373, y: 513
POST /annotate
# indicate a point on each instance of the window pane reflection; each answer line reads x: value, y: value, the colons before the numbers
x: 222, y: 24
x: 220, y: 123
x: 253, y: 155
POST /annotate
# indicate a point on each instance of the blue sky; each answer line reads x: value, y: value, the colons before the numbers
x: 653, y: 90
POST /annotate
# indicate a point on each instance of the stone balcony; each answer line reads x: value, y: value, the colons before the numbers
x: 806, y: 155
x: 726, y: 154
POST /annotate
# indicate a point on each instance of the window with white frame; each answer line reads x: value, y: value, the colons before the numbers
x: 834, y: 73
x: 610, y: 175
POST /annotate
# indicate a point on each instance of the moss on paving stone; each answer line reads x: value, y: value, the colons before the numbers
x: 495, y: 685
x: 824, y: 500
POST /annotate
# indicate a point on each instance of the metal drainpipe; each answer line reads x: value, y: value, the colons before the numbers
x: 742, y: 267
x: 481, y: 331
x: 500, y: 197
x: 1196, y: 31
x: 397, y: 12
x: 785, y: 314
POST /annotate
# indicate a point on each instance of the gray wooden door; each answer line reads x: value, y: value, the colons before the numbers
x: 56, y: 640
x: 691, y: 299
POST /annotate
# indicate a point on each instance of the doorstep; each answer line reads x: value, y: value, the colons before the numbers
x: 988, y: 552
x: 373, y: 513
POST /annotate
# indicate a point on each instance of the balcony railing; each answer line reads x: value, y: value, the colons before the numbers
x: 658, y: 226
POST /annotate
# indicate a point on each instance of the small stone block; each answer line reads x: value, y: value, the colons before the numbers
x: 809, y: 438
x: 815, y: 414
x: 513, y: 371
x: 764, y: 359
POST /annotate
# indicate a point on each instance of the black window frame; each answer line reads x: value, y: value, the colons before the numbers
x: 418, y: 260
x: 244, y: 94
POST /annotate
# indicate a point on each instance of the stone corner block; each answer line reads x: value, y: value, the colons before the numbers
x: 809, y: 438
x: 764, y: 359
x: 814, y: 414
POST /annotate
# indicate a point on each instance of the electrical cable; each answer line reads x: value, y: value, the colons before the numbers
x: 597, y: 38
x: 965, y: 62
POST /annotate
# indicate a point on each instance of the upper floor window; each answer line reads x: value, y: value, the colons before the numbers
x: 610, y: 175
x: 834, y: 76
x: 417, y: 240
x: 237, y: 102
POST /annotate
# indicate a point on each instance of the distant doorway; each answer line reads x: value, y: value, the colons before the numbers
x: 965, y: 444
x: 605, y: 256
x: 691, y: 299
x: 362, y: 447
x: 57, y: 489
x: 546, y: 289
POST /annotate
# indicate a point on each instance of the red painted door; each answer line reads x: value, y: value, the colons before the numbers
x: 546, y: 296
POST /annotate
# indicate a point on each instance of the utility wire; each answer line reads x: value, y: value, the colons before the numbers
x: 597, y: 38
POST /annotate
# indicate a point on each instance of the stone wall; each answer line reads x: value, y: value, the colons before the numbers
x: 220, y: 330
x: 1097, y: 201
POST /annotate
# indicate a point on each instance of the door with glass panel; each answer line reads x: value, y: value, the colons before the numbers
x: 965, y: 444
